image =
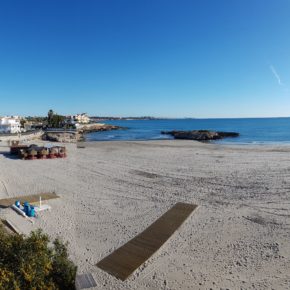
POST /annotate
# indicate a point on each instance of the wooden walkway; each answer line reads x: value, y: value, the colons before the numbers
x: 34, y: 198
x: 129, y: 257
x: 85, y: 281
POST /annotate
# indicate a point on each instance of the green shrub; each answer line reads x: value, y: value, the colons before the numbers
x: 31, y: 263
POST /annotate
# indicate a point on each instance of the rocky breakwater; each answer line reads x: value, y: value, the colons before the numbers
x: 97, y: 127
x: 200, y: 135
x: 88, y: 128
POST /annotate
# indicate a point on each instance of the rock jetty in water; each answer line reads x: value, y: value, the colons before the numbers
x: 98, y: 127
x: 75, y: 135
x: 200, y: 135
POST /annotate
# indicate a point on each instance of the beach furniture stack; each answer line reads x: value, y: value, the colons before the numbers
x: 26, y: 208
x: 33, y: 152
x: 42, y: 153
x: 16, y: 147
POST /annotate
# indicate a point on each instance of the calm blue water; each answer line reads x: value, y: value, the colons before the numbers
x: 252, y: 130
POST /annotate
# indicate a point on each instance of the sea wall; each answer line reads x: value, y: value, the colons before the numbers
x: 27, y: 136
x: 59, y: 135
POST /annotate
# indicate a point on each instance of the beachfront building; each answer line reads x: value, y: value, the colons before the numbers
x: 70, y: 120
x: 10, y: 125
x: 82, y: 118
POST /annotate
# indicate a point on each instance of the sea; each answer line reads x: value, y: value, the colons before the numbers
x: 252, y: 130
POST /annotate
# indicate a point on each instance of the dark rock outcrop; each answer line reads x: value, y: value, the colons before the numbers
x: 200, y: 135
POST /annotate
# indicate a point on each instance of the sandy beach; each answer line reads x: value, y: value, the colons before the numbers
x: 237, y: 238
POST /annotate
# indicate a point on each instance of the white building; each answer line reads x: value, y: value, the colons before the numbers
x: 82, y: 118
x: 10, y: 124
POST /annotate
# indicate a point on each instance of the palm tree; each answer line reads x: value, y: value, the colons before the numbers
x: 50, y: 117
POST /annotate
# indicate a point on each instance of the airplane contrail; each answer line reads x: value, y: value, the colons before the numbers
x: 276, y: 75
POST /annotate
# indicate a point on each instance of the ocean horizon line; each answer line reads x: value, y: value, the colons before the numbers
x: 184, y: 118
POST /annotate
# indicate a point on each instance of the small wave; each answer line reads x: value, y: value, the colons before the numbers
x: 159, y: 137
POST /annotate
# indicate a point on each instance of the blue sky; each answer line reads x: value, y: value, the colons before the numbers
x: 166, y: 58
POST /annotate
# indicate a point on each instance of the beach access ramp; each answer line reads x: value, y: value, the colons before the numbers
x: 129, y: 257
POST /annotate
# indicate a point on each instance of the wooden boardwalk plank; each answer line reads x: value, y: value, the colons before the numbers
x: 129, y: 257
x: 85, y: 281
x: 6, y: 202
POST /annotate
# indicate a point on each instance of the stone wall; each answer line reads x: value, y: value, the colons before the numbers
x: 27, y: 136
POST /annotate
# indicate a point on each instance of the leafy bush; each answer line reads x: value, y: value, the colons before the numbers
x: 32, y: 263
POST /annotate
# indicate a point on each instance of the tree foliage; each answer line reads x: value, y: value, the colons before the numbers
x: 55, y: 120
x: 32, y: 263
x: 36, y: 119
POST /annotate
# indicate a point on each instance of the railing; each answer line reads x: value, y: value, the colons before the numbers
x: 60, y: 130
